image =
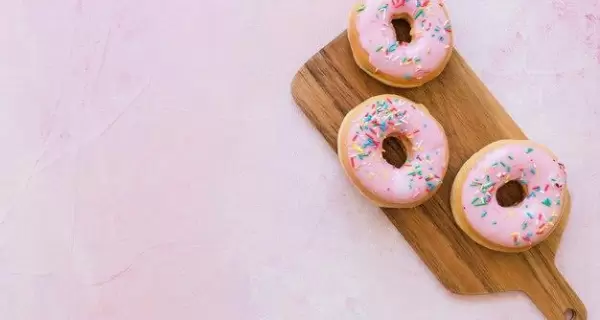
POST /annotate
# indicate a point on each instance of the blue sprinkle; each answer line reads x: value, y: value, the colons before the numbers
x: 529, y: 215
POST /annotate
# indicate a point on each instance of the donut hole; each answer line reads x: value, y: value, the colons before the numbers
x: 570, y: 314
x: 511, y: 194
x: 394, y: 151
x: 402, y: 27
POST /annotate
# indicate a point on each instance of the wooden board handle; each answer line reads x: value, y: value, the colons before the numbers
x: 553, y: 295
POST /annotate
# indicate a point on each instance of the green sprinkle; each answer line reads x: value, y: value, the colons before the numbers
x: 430, y: 186
x: 547, y: 202
x: 448, y: 27
x: 420, y: 12
x: 379, y: 49
x: 484, y: 214
x: 361, y: 8
x: 478, y: 202
x: 511, y: 158
x: 494, y: 223
x: 529, y: 150
x: 524, y: 225
x: 558, y: 202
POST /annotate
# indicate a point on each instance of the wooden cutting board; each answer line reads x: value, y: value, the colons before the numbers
x: 330, y: 84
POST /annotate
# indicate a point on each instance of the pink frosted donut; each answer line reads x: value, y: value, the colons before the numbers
x: 378, y: 52
x: 360, y: 141
x: 519, y: 227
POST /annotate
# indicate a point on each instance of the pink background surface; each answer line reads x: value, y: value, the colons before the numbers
x: 155, y: 167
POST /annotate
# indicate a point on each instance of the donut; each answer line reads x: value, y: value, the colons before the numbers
x: 378, y: 52
x: 360, y: 150
x: 521, y: 226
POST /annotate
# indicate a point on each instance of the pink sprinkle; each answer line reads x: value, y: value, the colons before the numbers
x: 427, y: 28
x: 541, y: 229
x: 372, y: 131
x: 542, y: 225
x: 398, y: 3
x: 416, y: 193
x: 352, y: 162
x: 546, y: 188
x: 355, y: 137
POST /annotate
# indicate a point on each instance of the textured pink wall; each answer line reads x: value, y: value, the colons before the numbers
x: 154, y: 167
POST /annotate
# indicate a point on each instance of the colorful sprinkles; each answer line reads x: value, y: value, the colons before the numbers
x: 392, y: 116
x: 539, y: 198
x: 430, y: 24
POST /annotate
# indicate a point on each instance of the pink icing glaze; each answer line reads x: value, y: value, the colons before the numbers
x: 395, y: 116
x: 530, y: 221
x: 431, y: 39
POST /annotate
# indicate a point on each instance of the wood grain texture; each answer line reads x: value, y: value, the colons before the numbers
x: 330, y: 84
